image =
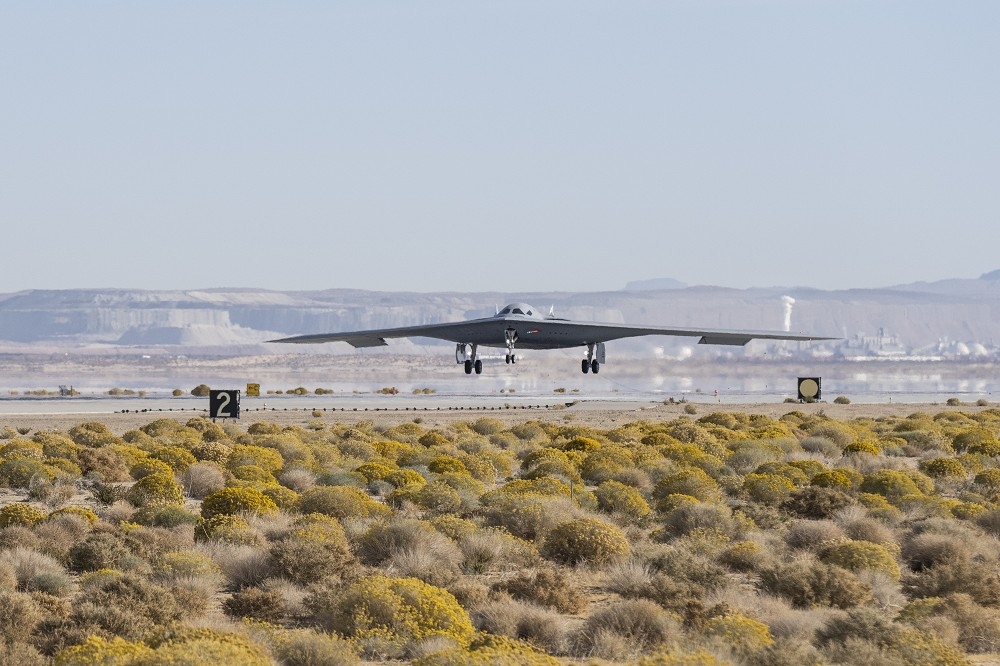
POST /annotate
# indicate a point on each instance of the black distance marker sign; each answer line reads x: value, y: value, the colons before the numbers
x: 224, y: 404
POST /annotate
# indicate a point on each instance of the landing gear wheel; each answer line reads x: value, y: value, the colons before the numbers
x: 479, y: 366
x: 468, y: 367
x: 585, y: 366
x: 595, y: 366
x: 513, y: 359
x: 507, y: 359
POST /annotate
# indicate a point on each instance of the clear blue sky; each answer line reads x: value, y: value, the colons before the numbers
x: 509, y: 146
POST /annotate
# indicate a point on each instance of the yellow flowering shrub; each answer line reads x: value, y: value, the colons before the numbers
x: 99, y: 651
x: 585, y: 540
x: 395, y: 613
x: 743, y: 633
x: 233, y: 500
x: 859, y: 555
x: 20, y: 513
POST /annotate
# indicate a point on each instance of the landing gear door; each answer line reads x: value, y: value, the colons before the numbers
x: 461, y: 353
x: 600, y: 353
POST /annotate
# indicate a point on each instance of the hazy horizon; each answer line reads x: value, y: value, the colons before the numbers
x: 516, y: 147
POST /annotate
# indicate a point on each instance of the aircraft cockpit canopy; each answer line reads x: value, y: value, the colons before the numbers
x: 517, y: 309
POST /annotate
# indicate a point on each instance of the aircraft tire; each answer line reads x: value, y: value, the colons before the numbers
x: 595, y: 367
x: 468, y: 367
x: 479, y: 367
x: 585, y: 366
x: 507, y: 358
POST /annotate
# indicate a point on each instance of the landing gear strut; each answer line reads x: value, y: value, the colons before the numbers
x: 470, y: 361
x: 511, y: 337
x: 590, y: 363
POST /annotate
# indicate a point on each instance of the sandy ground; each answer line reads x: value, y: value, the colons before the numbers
x: 597, y: 414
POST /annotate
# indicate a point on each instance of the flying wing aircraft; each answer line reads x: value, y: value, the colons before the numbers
x: 521, y: 325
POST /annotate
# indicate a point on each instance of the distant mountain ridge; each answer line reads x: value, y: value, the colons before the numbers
x: 918, y: 317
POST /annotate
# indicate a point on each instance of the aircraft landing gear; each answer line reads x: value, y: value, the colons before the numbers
x: 511, y: 337
x: 471, y: 362
x: 590, y: 364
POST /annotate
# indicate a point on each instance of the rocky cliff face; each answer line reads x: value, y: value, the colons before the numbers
x: 917, y: 317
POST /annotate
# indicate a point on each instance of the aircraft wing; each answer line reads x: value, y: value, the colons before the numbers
x: 459, y: 331
x: 538, y: 333
x: 585, y: 332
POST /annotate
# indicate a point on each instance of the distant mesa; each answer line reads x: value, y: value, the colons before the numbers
x: 992, y: 275
x: 654, y: 284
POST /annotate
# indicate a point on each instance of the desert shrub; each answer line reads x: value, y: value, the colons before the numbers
x: 374, y: 471
x: 99, y: 650
x: 691, y: 481
x: 742, y: 633
x: 812, y: 534
x: 124, y: 605
x: 492, y: 549
x: 699, y: 517
x: 625, y: 630
x: 159, y: 515
x: 305, y: 647
x: 18, y: 472
x: 266, y: 459
x: 860, y: 555
x: 202, y: 479
x: 225, y: 528
x: 233, y: 500
x: 150, y: 466
x: 387, y: 615
x: 19, y: 513
x: 526, y: 516
x: 606, y: 463
x: 283, y: 498
x: 545, y: 587
x: 769, y: 489
x: 863, y: 446
x: 437, y: 497
x: 941, y: 468
x: 19, y: 614
x: 487, y: 426
x: 156, y: 489
x: 341, y: 502
x: 92, y: 434
x: 405, y: 477
x: 255, y: 604
x: 585, y: 539
x: 821, y: 445
x: 816, y: 502
x: 893, y: 642
x: 317, y: 547
x: 615, y: 497
x: 399, y: 542
x: 976, y: 440
x: 890, y: 484
x: 808, y: 583
x: 833, y: 478
x: 99, y: 550
x: 105, y: 464
x: 743, y: 556
x: 78, y: 511
x: 203, y: 647
x: 518, y: 620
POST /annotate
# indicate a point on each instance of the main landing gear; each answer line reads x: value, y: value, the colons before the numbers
x: 590, y: 363
x: 471, y: 362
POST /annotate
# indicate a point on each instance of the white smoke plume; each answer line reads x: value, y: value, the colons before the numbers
x: 788, y: 302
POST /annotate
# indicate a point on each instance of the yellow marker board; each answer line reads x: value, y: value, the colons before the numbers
x: 253, y: 390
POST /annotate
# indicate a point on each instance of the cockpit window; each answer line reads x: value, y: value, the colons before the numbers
x: 518, y: 311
